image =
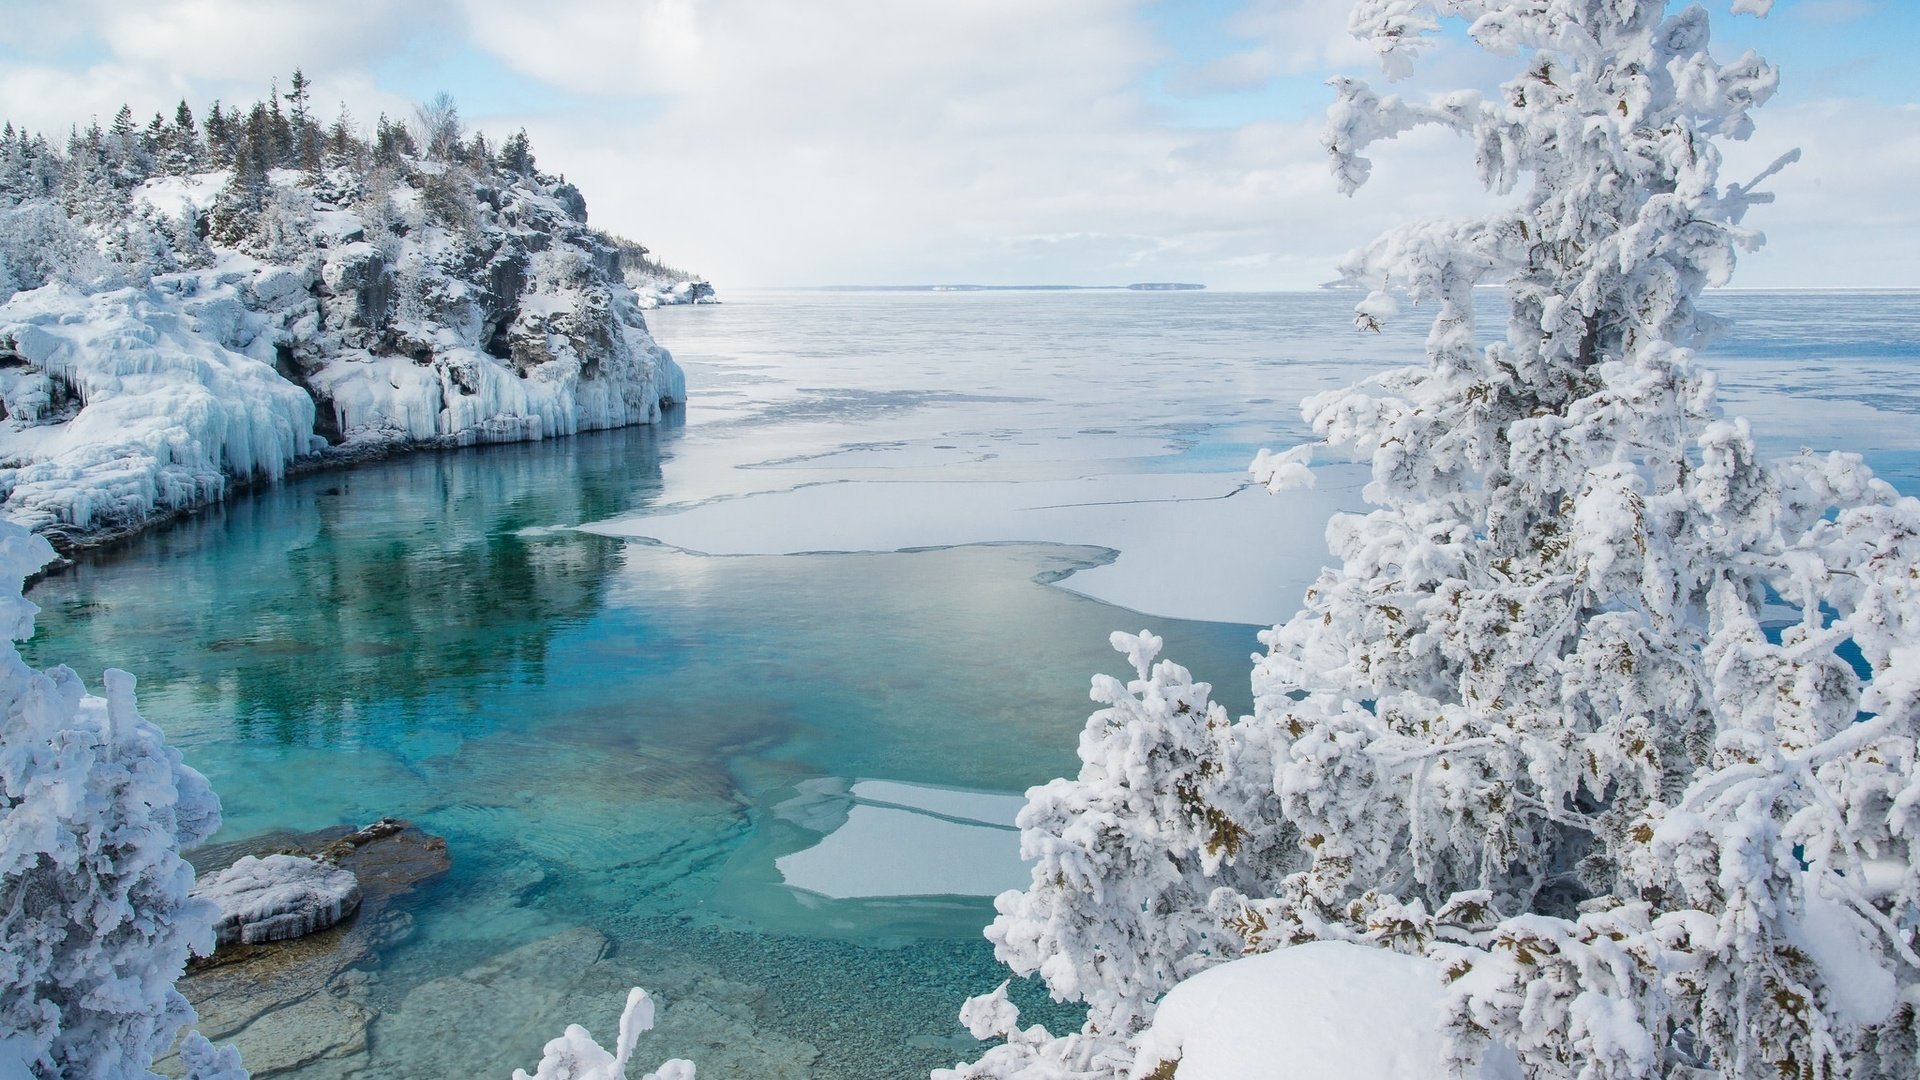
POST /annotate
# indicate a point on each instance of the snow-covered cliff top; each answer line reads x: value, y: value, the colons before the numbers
x: 168, y: 329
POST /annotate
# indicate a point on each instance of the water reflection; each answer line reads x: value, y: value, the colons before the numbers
x: 392, y: 582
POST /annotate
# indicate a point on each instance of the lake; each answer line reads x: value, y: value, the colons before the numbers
x: 739, y: 708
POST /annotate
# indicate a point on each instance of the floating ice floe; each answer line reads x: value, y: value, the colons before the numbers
x: 1190, y: 546
x: 912, y: 840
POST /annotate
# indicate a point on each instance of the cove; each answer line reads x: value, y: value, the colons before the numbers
x: 620, y: 741
x: 745, y: 780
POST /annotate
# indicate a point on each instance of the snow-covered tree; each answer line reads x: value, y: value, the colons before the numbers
x: 95, y: 918
x: 39, y: 244
x: 516, y: 154
x: 576, y: 1056
x: 1601, y: 710
x: 439, y: 128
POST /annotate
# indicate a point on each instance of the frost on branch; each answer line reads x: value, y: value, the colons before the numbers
x: 575, y: 1056
x: 95, y: 917
x: 1609, y: 716
x: 1126, y: 856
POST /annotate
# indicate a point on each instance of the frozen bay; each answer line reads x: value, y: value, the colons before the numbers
x: 696, y: 762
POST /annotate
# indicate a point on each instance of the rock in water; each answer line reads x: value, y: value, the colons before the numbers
x: 278, y: 897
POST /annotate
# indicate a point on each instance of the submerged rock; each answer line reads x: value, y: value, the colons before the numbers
x: 292, y: 1003
x: 278, y: 897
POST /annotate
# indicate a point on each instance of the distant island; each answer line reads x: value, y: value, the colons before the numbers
x: 1143, y: 286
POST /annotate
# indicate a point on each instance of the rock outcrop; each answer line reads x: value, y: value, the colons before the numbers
x: 428, y: 305
x: 288, y: 1004
x: 276, y: 897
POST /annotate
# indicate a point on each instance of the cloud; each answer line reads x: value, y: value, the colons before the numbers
x: 873, y: 141
x: 1288, y: 38
x: 251, y: 39
x: 867, y: 141
x: 74, y: 61
x: 1844, y: 214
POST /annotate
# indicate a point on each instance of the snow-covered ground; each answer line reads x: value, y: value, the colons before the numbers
x: 1309, y: 1006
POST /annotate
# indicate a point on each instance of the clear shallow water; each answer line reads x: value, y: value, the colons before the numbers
x: 624, y: 739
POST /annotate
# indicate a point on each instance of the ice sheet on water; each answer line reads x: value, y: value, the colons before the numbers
x: 902, y: 839
x: 984, y: 807
x: 1191, y: 546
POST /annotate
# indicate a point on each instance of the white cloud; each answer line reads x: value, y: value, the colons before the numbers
x: 863, y: 141
x: 255, y: 39
x: 1845, y: 213
x: 873, y: 141
x: 1289, y: 37
x: 155, y: 54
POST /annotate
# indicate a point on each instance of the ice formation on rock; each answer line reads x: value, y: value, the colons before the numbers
x: 187, y: 332
x: 576, y: 1056
x: 276, y: 897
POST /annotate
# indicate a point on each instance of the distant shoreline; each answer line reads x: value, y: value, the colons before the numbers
x: 1142, y: 286
x: 1307, y: 291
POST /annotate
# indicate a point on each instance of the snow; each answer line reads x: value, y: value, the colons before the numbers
x: 1840, y: 943
x: 1325, y: 1010
x: 129, y: 402
x: 168, y: 413
x: 903, y: 839
x: 96, y: 920
x: 276, y: 897
x: 576, y: 1056
x: 171, y: 196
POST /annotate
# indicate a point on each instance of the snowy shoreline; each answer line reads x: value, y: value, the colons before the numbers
x: 358, y: 328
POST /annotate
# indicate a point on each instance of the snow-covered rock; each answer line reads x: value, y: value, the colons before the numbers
x: 125, y: 404
x: 1325, y: 1010
x: 278, y: 897
x: 668, y: 293
x: 347, y: 316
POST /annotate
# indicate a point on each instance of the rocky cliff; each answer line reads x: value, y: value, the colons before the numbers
x: 266, y: 318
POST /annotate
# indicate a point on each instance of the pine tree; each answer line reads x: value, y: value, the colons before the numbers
x: 222, y: 135
x: 236, y: 209
x: 1545, y: 722
x: 393, y: 143
x: 87, y: 185
x: 344, y: 147
x: 307, y: 137
x: 277, y: 148
x: 183, y: 153
x: 516, y: 154
x: 95, y: 916
x: 124, y: 130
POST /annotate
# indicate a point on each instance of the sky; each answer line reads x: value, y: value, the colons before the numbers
x: 1093, y: 142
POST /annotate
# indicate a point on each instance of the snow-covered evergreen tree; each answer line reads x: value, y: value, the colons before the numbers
x: 95, y: 918
x: 1605, y: 713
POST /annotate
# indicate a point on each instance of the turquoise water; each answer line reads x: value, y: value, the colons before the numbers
x: 625, y: 739
x: 601, y: 730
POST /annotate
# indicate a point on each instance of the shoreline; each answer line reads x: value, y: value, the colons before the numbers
x: 72, y: 545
